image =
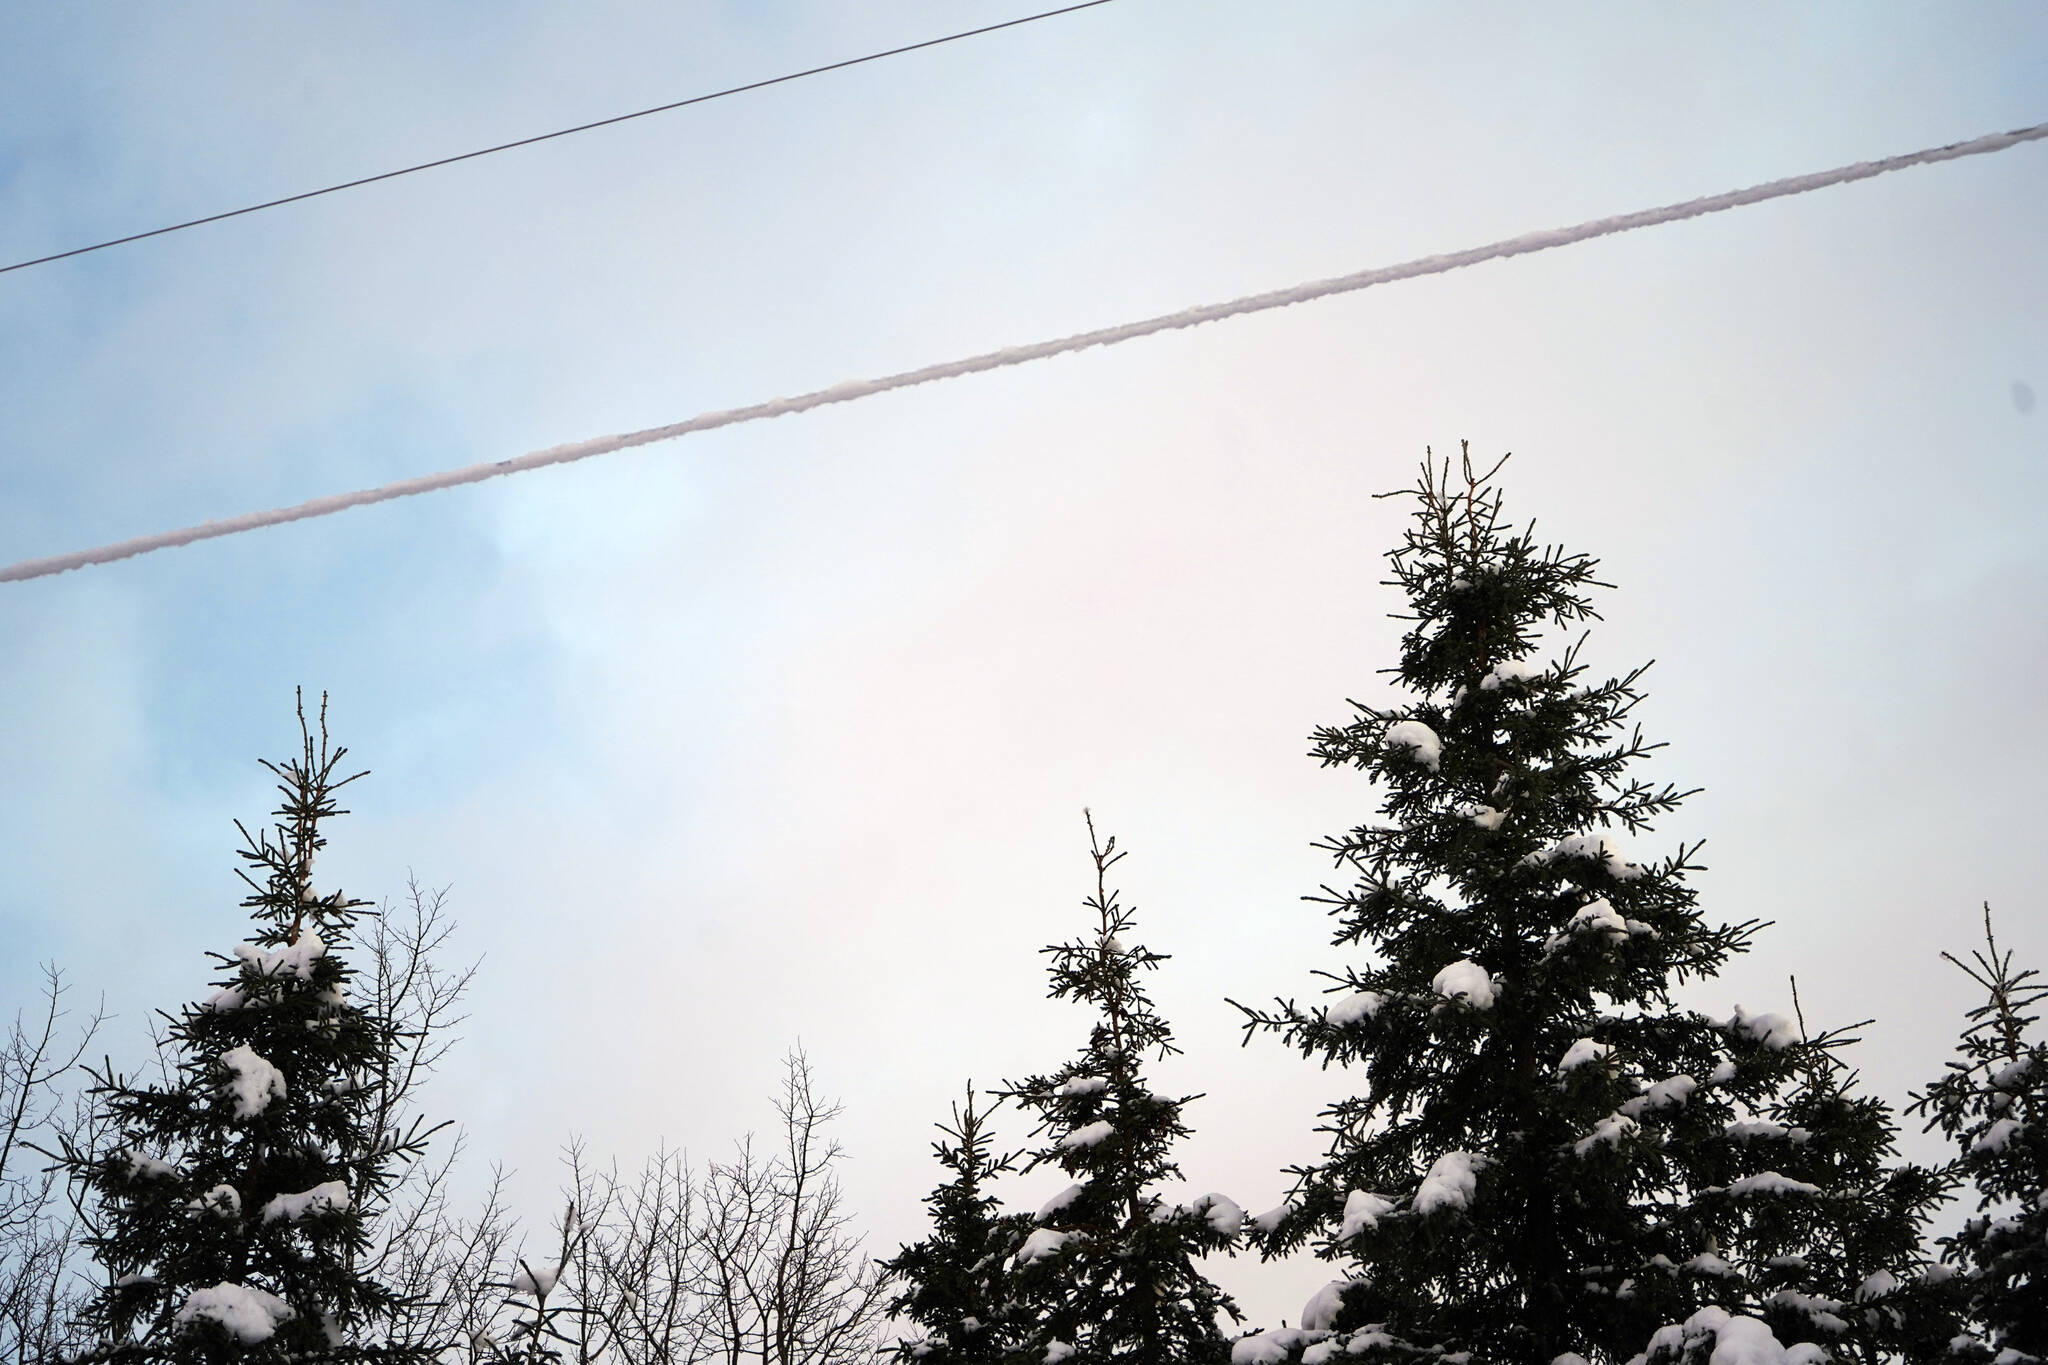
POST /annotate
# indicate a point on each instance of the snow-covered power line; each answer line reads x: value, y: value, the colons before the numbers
x: 1018, y: 355
x: 549, y: 137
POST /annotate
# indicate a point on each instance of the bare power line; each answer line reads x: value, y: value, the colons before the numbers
x: 549, y: 137
x: 1018, y: 355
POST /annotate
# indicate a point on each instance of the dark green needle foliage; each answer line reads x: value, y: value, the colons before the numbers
x: 1542, y: 1155
x: 231, y: 1200
x: 1993, y: 1104
x: 955, y: 1284
x: 1108, y: 1272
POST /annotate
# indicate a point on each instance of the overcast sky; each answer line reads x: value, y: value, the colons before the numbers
x: 784, y: 732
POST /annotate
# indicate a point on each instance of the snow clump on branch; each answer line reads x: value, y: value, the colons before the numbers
x: 537, y: 1281
x: 295, y: 961
x: 1088, y: 1134
x: 1273, y: 1345
x: 1053, y: 1206
x: 248, y: 1315
x: 1450, y: 1184
x: 252, y: 1081
x: 1512, y: 670
x: 1362, y: 1212
x: 1419, y: 740
x: 1042, y: 1243
x: 224, y: 1201
x: 1774, y: 1031
x: 1597, y: 847
x: 1734, y: 1340
x: 1582, y: 1053
x: 329, y: 1197
x: 142, y: 1167
x: 1353, y: 1008
x: 1465, y: 978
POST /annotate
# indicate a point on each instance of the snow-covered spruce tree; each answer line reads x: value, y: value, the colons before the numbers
x: 1108, y: 1273
x: 1841, y: 1144
x: 1861, y: 1255
x: 954, y: 1285
x: 1993, y: 1103
x: 1547, y: 1157
x: 228, y: 1198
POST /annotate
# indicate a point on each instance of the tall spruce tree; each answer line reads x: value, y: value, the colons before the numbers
x: 229, y: 1197
x: 1993, y: 1104
x: 1548, y: 1158
x: 955, y: 1284
x: 1109, y: 1272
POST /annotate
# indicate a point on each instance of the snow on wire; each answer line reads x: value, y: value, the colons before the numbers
x: 1017, y: 355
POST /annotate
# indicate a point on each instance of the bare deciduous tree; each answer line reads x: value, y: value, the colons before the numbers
x: 751, y: 1262
x: 786, y: 1280
x: 408, y: 985
x: 446, y: 1264
x: 650, y: 1284
x: 439, y: 1260
x: 38, y: 1230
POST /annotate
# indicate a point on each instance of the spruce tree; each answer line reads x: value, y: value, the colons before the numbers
x: 1108, y: 1273
x: 1862, y: 1256
x: 1993, y: 1104
x: 1545, y: 1156
x: 955, y: 1284
x: 230, y: 1198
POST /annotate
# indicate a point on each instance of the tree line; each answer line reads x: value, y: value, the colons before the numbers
x: 1531, y: 1153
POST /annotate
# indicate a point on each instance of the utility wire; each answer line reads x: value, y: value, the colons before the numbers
x: 547, y: 137
x: 1018, y: 355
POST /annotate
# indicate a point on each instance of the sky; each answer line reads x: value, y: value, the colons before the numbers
x: 783, y: 733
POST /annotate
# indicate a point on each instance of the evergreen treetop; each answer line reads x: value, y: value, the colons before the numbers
x: 1546, y: 1156
x: 231, y: 1199
x: 1108, y: 1274
x: 955, y: 1284
x: 1993, y: 1104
